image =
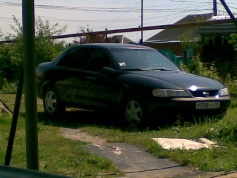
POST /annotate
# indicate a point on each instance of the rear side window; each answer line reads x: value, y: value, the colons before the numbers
x: 76, y: 58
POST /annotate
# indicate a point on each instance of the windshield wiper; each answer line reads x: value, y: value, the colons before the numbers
x: 159, y: 69
x: 162, y: 69
x: 133, y: 69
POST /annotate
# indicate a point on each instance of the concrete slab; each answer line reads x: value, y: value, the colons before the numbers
x: 136, y: 163
x: 228, y: 175
x: 177, y: 143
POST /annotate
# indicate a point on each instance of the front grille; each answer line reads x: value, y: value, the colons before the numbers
x: 204, y: 93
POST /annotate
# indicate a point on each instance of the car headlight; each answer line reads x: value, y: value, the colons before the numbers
x: 169, y: 93
x: 224, y: 92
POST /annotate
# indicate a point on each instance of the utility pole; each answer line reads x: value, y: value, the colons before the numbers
x: 214, y: 8
x: 28, y: 19
x: 141, y: 40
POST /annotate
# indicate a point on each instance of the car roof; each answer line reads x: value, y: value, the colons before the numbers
x: 114, y: 45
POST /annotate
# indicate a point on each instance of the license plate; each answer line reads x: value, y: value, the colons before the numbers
x: 207, y: 105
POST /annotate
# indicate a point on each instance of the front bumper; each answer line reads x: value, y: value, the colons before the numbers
x: 186, y: 105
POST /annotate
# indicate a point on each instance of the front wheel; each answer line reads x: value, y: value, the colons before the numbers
x: 134, y: 112
x: 52, y: 104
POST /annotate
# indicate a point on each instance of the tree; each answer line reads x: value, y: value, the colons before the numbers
x: 91, y: 37
x: 219, y: 51
x: 189, y: 44
x: 8, y: 65
x: 46, y: 48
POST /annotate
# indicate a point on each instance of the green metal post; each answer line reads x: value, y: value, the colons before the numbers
x: 28, y: 18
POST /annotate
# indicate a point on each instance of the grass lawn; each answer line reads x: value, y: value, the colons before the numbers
x: 56, y: 154
x: 68, y: 157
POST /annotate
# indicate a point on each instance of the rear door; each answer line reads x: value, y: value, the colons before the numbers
x: 71, y: 73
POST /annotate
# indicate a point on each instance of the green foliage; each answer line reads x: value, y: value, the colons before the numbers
x: 233, y: 40
x: 217, y: 55
x: 188, y: 42
x: 9, y: 88
x: 8, y: 64
x: 198, y: 68
x: 219, y: 52
x: 46, y: 49
x: 90, y: 38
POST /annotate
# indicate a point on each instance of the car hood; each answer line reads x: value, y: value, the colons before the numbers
x: 180, y: 79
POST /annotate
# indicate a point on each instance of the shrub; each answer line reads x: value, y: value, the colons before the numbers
x: 9, y: 88
x: 198, y: 68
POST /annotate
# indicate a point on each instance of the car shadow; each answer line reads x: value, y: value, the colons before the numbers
x: 82, y: 118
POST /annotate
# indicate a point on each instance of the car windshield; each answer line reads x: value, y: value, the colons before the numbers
x: 142, y: 59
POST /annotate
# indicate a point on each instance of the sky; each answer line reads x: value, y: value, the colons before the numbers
x: 97, y: 15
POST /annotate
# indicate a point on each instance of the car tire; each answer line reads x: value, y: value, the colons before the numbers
x: 134, y: 112
x: 53, y: 106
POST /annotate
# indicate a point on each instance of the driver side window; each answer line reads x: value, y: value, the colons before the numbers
x: 97, y: 60
x: 76, y: 59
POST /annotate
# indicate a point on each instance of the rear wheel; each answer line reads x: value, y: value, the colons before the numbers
x: 53, y: 106
x: 134, y: 112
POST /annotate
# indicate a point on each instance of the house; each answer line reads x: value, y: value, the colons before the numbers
x: 170, y: 40
x: 224, y: 29
x: 218, y: 46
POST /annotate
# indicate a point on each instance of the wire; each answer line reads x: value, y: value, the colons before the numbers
x: 153, y: 14
x: 123, y: 14
x: 101, y: 9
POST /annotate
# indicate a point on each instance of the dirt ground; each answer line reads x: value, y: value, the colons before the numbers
x: 76, y: 134
x: 135, y: 162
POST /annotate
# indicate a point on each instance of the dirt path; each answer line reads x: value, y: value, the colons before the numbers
x: 134, y: 161
x: 76, y: 134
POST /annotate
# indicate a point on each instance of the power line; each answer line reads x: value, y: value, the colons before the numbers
x: 152, y: 13
x: 123, y: 14
x: 102, y: 9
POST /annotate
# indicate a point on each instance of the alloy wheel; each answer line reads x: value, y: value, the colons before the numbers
x: 133, y: 113
x: 50, y: 102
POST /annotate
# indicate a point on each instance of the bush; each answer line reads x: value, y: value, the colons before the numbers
x: 9, y: 88
x: 198, y: 68
x: 46, y: 49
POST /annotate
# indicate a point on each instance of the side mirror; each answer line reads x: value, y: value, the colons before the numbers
x: 109, y: 71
